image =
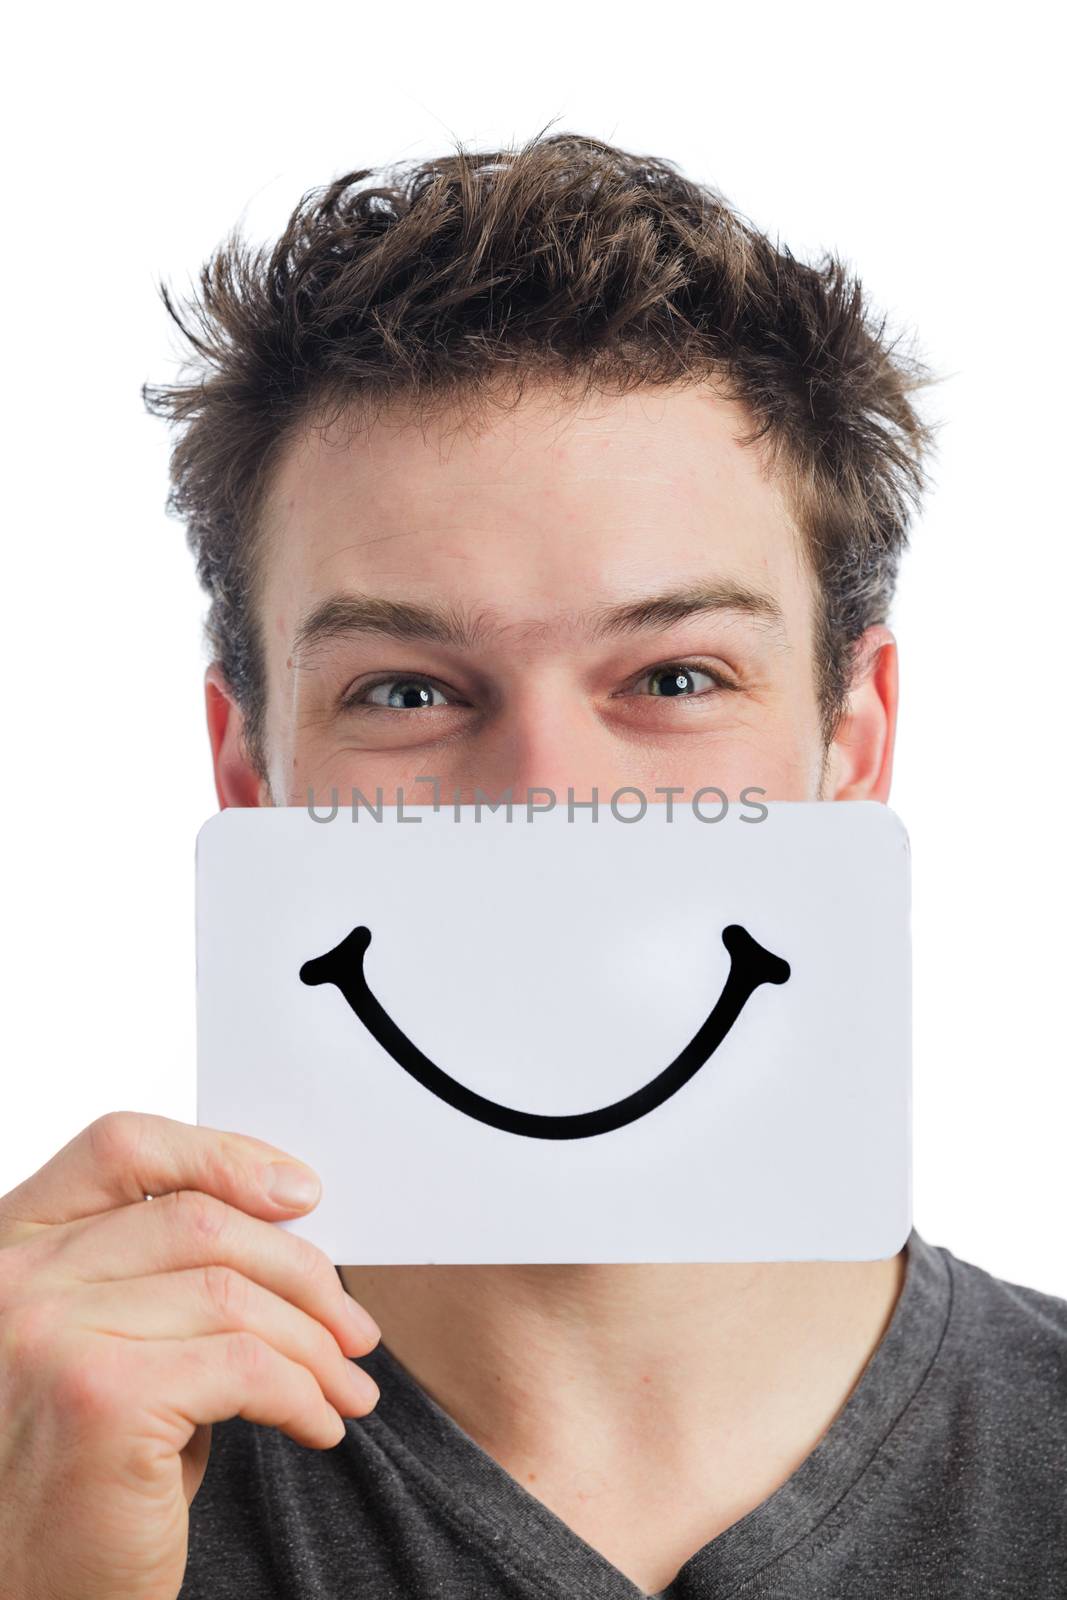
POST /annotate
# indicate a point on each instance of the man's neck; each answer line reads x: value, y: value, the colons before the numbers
x: 648, y: 1406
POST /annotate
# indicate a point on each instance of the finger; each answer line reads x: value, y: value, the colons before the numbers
x: 187, y: 1382
x: 188, y: 1229
x: 124, y: 1156
x: 207, y: 1300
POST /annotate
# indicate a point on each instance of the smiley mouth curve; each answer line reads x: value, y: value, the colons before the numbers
x: 750, y: 966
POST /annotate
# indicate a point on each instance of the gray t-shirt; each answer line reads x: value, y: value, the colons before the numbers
x: 943, y: 1475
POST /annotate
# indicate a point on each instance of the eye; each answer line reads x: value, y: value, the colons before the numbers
x: 675, y: 680
x: 400, y: 694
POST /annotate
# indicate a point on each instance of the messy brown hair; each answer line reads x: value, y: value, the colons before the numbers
x: 445, y: 282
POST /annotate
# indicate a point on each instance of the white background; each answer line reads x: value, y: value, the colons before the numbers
x: 918, y: 143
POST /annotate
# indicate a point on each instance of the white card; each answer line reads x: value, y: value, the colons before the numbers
x: 558, y: 1038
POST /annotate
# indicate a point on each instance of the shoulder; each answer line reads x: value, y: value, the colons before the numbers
x: 1024, y: 1323
x: 1005, y: 1357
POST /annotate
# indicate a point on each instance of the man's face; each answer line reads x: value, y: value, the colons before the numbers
x: 573, y: 597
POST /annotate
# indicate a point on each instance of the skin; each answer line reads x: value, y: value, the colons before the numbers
x: 648, y: 1406
x: 530, y: 530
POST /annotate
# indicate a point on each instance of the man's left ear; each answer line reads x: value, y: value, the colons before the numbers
x: 860, y: 758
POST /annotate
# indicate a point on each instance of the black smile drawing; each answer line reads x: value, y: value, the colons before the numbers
x: 750, y: 966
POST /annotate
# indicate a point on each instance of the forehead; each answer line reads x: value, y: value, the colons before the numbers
x: 534, y: 511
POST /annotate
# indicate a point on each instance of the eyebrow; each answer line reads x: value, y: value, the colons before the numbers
x: 699, y: 599
x: 343, y: 615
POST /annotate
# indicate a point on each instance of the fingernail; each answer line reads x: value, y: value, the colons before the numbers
x: 291, y: 1186
x: 363, y: 1322
x: 362, y: 1386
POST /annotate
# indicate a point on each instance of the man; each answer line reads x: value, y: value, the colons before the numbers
x: 484, y: 460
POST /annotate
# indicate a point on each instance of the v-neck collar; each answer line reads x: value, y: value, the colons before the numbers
x: 494, y: 1509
